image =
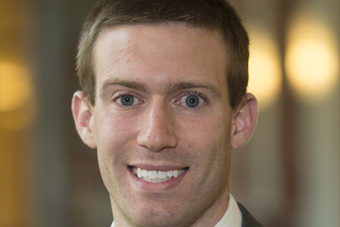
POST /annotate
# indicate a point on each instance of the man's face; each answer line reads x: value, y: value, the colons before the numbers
x: 162, y: 115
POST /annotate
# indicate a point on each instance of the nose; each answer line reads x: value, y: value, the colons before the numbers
x: 157, y: 130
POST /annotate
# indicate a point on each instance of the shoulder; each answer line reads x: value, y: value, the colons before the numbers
x: 247, y: 219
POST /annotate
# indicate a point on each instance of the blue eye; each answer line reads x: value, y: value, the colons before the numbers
x: 192, y: 101
x: 127, y: 100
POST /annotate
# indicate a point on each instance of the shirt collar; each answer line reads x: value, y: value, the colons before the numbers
x: 231, y: 218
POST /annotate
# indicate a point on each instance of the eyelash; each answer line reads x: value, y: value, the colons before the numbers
x: 115, y: 98
x: 201, y: 96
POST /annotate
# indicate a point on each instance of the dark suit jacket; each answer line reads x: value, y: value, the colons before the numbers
x: 247, y: 219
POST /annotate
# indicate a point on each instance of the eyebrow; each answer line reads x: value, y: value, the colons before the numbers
x: 171, y: 87
x: 185, y: 85
x: 124, y: 83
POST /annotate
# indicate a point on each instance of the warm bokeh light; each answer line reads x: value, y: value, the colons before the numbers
x: 264, y: 69
x: 15, y: 87
x: 17, y: 104
x: 312, y: 60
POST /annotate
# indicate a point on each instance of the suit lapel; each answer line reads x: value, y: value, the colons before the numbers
x: 247, y: 219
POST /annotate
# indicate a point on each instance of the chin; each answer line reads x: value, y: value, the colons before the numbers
x: 159, y: 222
x: 159, y: 216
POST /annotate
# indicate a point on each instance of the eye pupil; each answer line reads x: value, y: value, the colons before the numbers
x: 127, y: 100
x: 192, y: 101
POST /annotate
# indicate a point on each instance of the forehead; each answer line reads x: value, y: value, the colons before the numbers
x: 171, y: 52
x: 159, y: 32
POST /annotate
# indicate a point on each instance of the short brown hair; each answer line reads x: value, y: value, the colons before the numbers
x: 208, y: 14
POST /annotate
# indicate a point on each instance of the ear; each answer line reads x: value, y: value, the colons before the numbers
x: 83, y: 118
x: 244, y: 121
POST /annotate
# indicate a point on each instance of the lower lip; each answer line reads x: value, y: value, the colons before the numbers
x: 157, y: 187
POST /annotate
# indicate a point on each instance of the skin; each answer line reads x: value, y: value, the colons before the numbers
x: 160, y: 66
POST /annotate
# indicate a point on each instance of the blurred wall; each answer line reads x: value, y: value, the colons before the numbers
x: 287, y: 175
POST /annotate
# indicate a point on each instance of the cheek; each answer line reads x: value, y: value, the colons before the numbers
x: 210, y: 156
x: 211, y: 142
x: 114, y: 139
x: 114, y: 136
x: 209, y: 133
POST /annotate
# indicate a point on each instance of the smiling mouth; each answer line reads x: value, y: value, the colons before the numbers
x: 154, y: 176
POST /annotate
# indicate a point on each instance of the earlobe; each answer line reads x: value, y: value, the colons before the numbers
x: 83, y: 118
x: 244, y: 121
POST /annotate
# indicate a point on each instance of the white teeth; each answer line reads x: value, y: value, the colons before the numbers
x: 169, y: 173
x: 147, y: 179
x: 139, y: 172
x: 156, y: 176
x: 162, y: 174
x: 152, y: 174
x: 176, y: 173
x: 145, y: 173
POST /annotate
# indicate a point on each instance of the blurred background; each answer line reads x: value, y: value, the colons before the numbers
x: 287, y: 175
